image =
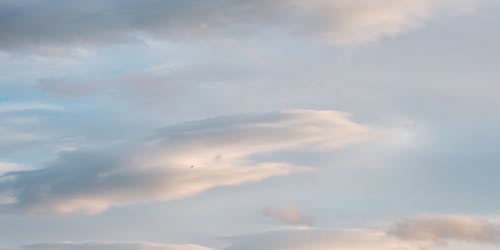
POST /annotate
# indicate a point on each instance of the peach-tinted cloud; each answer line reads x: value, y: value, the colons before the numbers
x: 444, y: 232
x: 179, y: 161
x: 440, y: 228
x: 320, y: 239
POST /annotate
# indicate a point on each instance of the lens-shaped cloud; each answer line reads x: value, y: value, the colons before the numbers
x: 178, y: 161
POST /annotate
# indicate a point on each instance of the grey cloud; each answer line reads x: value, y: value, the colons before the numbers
x: 12, y: 139
x: 154, y: 84
x: 178, y: 161
x: 19, y: 125
x: 288, y: 215
x: 53, y: 25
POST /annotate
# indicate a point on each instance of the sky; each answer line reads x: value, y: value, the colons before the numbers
x: 243, y: 125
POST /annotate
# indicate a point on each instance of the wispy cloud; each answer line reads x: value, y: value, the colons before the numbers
x: 179, y: 161
x: 27, y: 106
x: 8, y: 167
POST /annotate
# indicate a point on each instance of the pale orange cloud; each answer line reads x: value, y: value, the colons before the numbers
x: 179, y: 161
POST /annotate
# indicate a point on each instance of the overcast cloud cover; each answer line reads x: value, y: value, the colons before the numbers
x: 241, y: 125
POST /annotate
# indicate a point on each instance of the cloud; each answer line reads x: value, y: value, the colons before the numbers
x: 320, y: 239
x: 112, y: 246
x: 179, y: 161
x: 440, y: 228
x: 423, y: 232
x: 290, y: 215
x: 153, y: 84
x: 20, y: 107
x: 52, y: 25
x: 16, y: 120
x: 12, y: 139
x: 6, y: 167
x: 9, y: 167
x: 359, y: 21
x: 314, y: 238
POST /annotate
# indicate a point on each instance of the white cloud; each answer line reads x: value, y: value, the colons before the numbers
x: 179, y: 161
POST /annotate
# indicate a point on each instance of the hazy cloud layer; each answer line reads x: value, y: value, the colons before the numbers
x: 436, y: 232
x: 290, y: 215
x: 112, y: 246
x: 178, y: 161
x: 311, y: 238
x: 320, y: 239
x: 49, y: 26
x: 441, y: 228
